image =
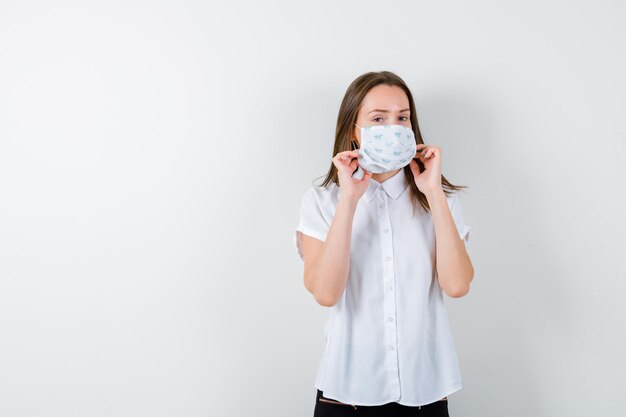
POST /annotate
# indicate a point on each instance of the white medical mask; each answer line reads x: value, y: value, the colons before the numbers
x: 386, y: 148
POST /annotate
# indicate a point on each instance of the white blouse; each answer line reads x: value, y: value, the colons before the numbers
x: 388, y: 338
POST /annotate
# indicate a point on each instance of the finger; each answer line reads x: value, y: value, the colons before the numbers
x: 346, y: 156
x: 341, y: 162
x: 424, y: 148
x: 428, y: 152
x: 432, y: 152
x: 345, y: 163
x: 414, y: 167
x: 353, y: 153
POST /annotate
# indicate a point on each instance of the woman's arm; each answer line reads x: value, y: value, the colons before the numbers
x: 454, y: 267
x: 327, y: 264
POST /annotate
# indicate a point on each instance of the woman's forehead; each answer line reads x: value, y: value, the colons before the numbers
x: 387, y: 98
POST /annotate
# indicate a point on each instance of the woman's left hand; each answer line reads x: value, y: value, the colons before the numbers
x: 428, y: 180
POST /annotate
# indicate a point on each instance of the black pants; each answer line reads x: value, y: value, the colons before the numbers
x: 328, y: 407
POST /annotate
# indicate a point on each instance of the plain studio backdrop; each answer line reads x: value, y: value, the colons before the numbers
x: 153, y: 157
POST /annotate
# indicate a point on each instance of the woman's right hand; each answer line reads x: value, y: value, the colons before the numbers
x: 346, y: 163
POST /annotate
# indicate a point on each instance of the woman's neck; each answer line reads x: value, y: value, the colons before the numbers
x: 385, y: 175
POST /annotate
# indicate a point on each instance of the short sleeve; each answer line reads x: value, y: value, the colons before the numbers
x: 312, y: 221
x: 457, y: 214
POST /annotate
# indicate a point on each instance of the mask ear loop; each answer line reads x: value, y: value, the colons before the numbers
x: 358, y: 172
x: 355, y: 144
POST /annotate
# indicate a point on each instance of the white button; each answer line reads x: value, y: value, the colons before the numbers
x: 390, y: 347
x: 390, y: 319
x: 390, y: 288
x: 386, y: 230
x: 387, y: 259
x: 382, y: 206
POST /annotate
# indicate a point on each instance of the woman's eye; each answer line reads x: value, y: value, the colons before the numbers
x: 376, y: 119
x: 404, y: 118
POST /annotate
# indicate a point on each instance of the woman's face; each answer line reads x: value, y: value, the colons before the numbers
x: 383, y: 105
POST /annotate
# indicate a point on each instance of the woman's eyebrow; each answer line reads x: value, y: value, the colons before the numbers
x: 387, y: 111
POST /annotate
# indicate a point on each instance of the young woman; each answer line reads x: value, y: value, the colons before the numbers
x: 381, y: 251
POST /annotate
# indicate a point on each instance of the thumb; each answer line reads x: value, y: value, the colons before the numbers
x: 415, y: 167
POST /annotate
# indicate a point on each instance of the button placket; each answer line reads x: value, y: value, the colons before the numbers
x: 389, y: 300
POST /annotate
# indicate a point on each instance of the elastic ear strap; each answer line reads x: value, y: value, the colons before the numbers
x: 355, y: 144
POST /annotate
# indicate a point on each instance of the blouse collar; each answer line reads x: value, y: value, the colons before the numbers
x: 393, y: 186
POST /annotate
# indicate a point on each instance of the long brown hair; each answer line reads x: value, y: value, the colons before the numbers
x: 347, y: 116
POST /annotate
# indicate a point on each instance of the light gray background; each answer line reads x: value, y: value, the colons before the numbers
x: 153, y: 156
